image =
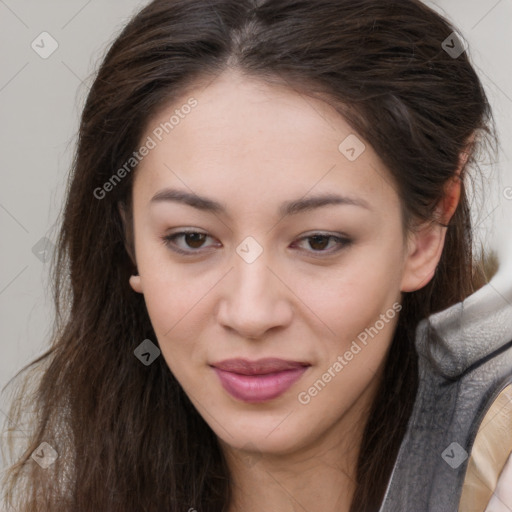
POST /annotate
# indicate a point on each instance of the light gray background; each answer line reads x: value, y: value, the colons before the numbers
x: 40, y: 103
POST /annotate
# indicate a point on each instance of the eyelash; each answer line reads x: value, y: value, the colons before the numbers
x: 343, y: 242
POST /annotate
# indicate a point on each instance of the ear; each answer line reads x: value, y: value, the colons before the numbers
x: 136, y: 283
x: 451, y: 195
x: 135, y: 280
x: 426, y: 242
x: 424, y: 249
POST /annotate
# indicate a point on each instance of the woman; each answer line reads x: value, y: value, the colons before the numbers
x: 267, y: 198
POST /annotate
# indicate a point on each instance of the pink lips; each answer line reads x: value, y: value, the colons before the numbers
x: 258, y: 381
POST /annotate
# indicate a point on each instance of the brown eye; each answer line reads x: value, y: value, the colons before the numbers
x: 320, y: 243
x: 192, y: 240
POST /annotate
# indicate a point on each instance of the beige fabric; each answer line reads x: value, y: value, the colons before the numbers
x: 492, y: 447
x: 501, y: 500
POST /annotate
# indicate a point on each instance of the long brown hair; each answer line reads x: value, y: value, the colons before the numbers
x: 127, y: 436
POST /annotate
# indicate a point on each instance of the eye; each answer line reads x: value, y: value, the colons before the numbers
x: 192, y: 240
x: 319, y: 241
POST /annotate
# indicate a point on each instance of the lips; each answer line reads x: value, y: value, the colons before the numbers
x: 258, y: 381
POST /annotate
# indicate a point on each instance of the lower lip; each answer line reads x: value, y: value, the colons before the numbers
x: 258, y: 388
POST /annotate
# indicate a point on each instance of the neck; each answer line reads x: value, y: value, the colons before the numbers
x: 319, y: 475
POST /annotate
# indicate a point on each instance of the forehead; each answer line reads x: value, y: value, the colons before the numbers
x: 260, y: 143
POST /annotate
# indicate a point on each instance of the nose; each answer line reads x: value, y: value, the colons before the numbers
x: 254, y: 299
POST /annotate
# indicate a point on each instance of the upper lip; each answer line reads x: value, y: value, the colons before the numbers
x: 259, y: 367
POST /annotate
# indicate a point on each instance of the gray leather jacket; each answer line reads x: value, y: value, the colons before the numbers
x: 465, y: 360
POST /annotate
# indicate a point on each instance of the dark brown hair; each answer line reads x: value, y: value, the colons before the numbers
x: 127, y: 436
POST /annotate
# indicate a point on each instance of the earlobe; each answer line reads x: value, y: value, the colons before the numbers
x: 136, y: 283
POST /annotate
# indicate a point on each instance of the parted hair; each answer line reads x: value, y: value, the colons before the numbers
x: 127, y: 436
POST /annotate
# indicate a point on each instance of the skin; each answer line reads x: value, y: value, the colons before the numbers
x: 252, y: 146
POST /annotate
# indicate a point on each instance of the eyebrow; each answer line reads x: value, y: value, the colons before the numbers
x: 287, y: 208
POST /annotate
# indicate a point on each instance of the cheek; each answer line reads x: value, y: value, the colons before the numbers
x: 172, y: 292
x: 177, y: 319
x: 362, y: 311
x: 361, y: 323
x: 167, y: 304
x: 353, y: 296
x: 176, y: 311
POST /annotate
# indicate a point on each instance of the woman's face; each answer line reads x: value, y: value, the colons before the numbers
x: 273, y: 271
